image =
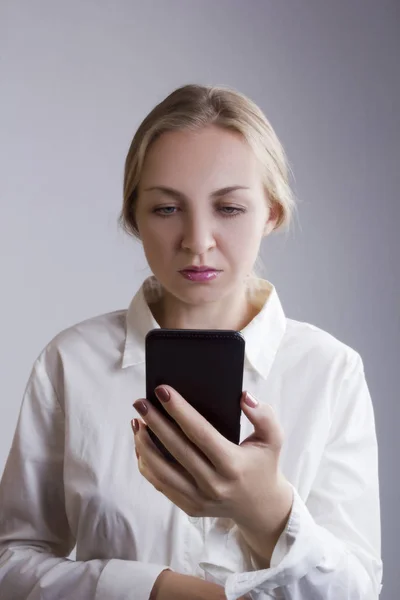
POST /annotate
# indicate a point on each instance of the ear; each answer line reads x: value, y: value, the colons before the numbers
x: 273, y: 218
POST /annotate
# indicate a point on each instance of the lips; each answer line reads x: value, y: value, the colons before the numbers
x: 198, y: 269
x: 200, y: 275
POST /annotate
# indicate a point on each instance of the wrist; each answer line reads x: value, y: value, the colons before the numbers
x: 263, y: 533
x: 175, y: 586
x: 155, y: 592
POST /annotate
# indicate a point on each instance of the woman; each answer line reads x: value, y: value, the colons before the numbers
x: 293, y: 511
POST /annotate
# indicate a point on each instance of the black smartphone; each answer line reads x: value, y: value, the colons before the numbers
x: 206, y: 367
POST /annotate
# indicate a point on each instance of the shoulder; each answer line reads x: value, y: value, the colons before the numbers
x: 313, y: 345
x: 318, y: 365
x: 105, y: 327
x: 101, y: 335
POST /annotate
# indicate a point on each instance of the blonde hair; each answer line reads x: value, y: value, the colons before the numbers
x: 197, y: 106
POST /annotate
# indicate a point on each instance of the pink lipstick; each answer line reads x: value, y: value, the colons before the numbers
x: 200, y: 274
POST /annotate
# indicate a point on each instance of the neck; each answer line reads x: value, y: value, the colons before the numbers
x: 234, y: 312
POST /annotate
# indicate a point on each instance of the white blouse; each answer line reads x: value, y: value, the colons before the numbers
x: 72, y: 478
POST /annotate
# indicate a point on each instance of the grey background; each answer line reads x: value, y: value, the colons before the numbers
x: 77, y: 78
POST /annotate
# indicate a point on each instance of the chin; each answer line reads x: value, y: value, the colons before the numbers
x: 199, y: 293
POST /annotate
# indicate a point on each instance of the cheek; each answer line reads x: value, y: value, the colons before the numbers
x: 157, y: 240
x: 243, y: 239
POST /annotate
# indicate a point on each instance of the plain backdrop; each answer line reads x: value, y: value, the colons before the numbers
x: 77, y: 78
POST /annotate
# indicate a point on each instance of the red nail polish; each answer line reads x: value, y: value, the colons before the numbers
x: 141, y: 407
x: 162, y: 394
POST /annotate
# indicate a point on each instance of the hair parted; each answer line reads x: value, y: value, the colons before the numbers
x: 194, y: 107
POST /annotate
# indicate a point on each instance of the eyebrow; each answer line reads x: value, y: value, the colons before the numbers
x: 180, y: 196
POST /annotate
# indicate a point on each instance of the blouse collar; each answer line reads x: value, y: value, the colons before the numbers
x: 263, y: 334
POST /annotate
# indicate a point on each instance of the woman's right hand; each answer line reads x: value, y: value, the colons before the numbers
x: 175, y: 586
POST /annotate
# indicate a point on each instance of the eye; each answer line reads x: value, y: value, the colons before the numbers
x: 227, y: 211
x: 164, y: 211
x: 231, y: 211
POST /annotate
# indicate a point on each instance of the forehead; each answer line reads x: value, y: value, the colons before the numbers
x: 211, y: 153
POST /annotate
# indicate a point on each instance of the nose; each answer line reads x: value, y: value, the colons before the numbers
x: 198, y: 235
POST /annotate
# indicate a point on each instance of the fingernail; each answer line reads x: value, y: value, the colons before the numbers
x: 135, y: 425
x: 250, y: 400
x: 162, y: 394
x: 141, y: 407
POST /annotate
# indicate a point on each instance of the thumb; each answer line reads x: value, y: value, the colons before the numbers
x: 267, y: 429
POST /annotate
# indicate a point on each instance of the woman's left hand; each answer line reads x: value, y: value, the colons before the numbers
x: 215, y: 477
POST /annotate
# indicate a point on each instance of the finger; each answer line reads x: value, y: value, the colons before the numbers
x: 189, y: 506
x: 267, y: 429
x: 180, y: 446
x: 204, y: 436
x: 160, y: 472
x: 187, y: 497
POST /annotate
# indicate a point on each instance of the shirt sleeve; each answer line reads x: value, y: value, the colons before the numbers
x: 35, y: 537
x: 330, y: 548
